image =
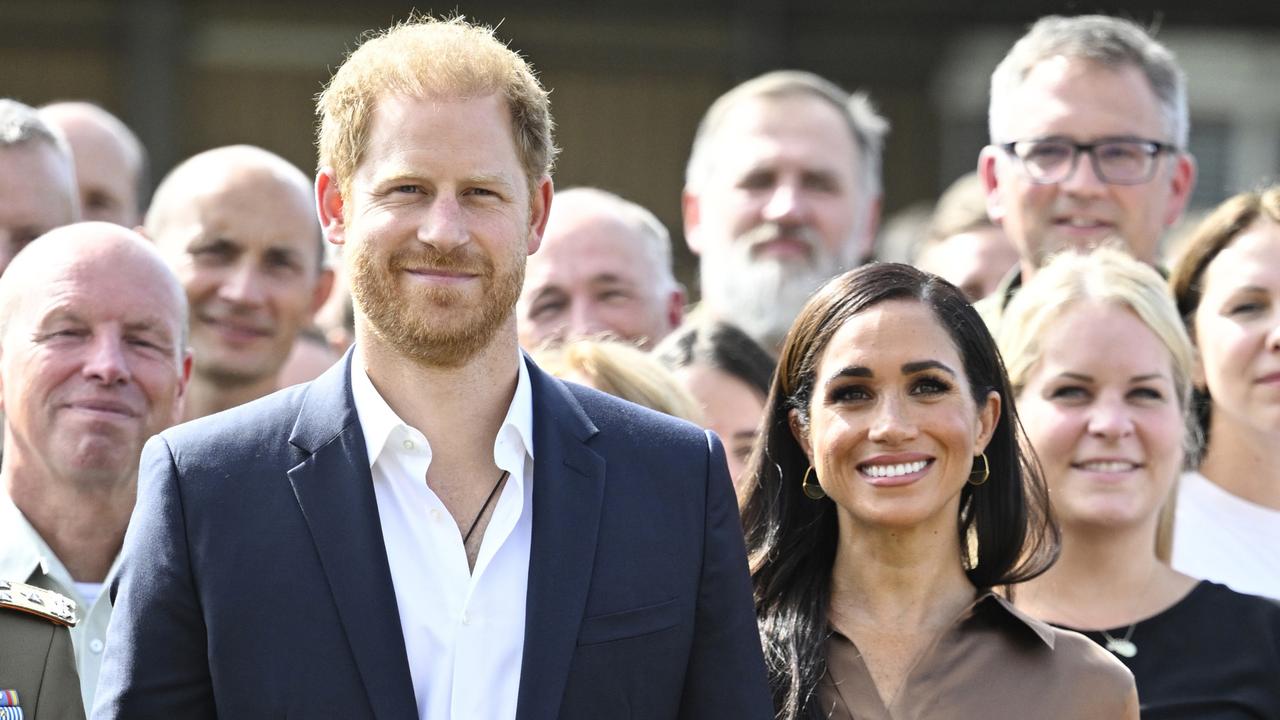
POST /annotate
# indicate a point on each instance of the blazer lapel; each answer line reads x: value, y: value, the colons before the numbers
x: 568, y: 489
x: 334, y: 487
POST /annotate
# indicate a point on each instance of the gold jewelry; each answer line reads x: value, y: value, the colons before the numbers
x: 977, y: 477
x: 812, y: 490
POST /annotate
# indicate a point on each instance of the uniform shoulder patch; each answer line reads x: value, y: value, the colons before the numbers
x: 51, y: 606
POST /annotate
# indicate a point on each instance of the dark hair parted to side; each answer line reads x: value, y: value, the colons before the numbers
x: 721, y: 346
x: 1004, y: 524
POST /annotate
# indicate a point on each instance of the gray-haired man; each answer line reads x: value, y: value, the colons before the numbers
x: 1089, y: 132
x: 782, y: 192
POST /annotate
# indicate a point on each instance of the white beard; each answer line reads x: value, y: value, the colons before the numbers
x: 763, y: 296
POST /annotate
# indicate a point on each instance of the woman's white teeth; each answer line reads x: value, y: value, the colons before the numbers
x: 894, y: 470
x: 1108, y: 466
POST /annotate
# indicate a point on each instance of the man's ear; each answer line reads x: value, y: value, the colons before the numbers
x: 1181, y: 184
x: 320, y: 294
x: 871, y: 226
x: 800, y: 432
x: 675, y: 306
x: 329, y: 206
x: 989, y: 176
x: 539, y: 212
x: 690, y: 210
x: 184, y: 379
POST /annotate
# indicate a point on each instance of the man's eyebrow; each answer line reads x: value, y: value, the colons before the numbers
x: 546, y: 290
x: 610, y: 278
x: 489, y: 179
x: 155, y: 324
x: 284, y: 251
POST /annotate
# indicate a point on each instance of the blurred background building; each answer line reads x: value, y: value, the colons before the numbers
x: 630, y: 79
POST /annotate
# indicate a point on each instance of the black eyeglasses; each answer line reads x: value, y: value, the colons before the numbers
x: 1123, y: 161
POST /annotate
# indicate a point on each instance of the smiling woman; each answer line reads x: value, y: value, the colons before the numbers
x: 1111, y: 432
x: 886, y: 503
x: 1227, y: 284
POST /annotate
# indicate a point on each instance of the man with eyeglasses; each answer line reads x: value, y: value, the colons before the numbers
x: 1088, y: 123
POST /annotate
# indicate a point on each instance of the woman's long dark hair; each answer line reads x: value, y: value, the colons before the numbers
x: 1005, y: 526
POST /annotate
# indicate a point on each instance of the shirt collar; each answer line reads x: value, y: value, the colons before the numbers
x: 992, y: 602
x: 22, y: 551
x: 378, y: 421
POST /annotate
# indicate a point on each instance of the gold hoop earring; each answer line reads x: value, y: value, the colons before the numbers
x: 812, y: 490
x: 978, y: 477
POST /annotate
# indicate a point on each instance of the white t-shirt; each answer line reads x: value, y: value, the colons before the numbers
x: 1221, y: 537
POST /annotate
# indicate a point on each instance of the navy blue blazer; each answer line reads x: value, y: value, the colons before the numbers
x: 255, y: 583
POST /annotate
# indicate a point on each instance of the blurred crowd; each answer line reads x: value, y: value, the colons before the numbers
x: 1106, y: 400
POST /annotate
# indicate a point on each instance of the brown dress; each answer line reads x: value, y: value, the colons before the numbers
x: 993, y: 662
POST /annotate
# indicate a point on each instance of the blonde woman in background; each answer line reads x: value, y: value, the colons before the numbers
x: 622, y: 371
x: 1227, y: 285
x: 1101, y: 367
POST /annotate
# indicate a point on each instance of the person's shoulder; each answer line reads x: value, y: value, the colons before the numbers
x: 247, y: 437
x: 991, y: 308
x: 643, y: 426
x: 268, y: 416
x: 1082, y: 663
x: 22, y: 601
x: 37, y: 660
x: 1261, y: 615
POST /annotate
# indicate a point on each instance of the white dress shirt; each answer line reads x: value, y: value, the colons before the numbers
x: 463, y: 629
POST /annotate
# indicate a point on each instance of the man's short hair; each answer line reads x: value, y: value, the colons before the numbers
x: 21, y: 124
x: 657, y: 238
x: 867, y: 127
x: 176, y: 188
x: 1111, y: 42
x: 425, y: 57
x: 128, y: 138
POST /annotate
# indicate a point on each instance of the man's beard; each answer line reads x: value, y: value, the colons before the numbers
x: 432, y: 325
x: 763, y: 296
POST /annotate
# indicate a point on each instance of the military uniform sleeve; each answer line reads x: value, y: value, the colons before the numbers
x: 156, y: 664
x: 38, y: 677
x: 60, y: 687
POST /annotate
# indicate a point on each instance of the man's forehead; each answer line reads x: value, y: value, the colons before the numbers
x: 255, y: 212
x: 113, y: 286
x: 1084, y: 100
x: 35, y: 166
x: 796, y: 128
x: 590, y: 249
x: 36, y: 185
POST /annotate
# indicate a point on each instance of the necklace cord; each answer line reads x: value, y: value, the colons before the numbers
x: 485, y: 506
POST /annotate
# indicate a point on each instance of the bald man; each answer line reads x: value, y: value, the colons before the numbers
x: 93, y: 362
x: 238, y: 225
x: 37, y: 179
x: 604, y: 268
x: 110, y: 161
